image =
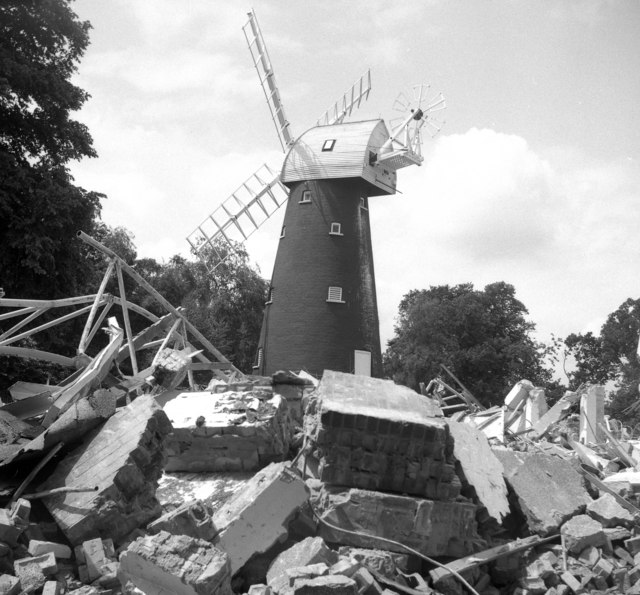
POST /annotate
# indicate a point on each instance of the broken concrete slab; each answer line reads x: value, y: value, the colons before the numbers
x: 380, y: 561
x: 333, y: 584
x: 580, y: 532
x: 191, y: 518
x: 592, y: 415
x: 480, y: 468
x: 166, y: 564
x: 548, y: 489
x: 229, y: 431
x: 257, y: 517
x: 609, y: 512
x: 433, y: 528
x: 124, y: 459
x: 311, y: 550
x: 373, y: 434
x: 556, y: 413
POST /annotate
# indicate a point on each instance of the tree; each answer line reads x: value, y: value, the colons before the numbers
x: 41, y: 43
x: 225, y: 304
x: 611, y: 357
x: 483, y: 337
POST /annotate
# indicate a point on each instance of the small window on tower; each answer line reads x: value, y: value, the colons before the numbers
x: 270, y: 296
x: 329, y: 144
x: 363, y: 203
x: 336, y: 229
x: 306, y: 196
x: 335, y: 295
x: 284, y: 227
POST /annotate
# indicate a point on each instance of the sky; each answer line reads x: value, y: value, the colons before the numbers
x: 533, y: 180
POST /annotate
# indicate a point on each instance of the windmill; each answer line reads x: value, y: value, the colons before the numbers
x: 321, y: 312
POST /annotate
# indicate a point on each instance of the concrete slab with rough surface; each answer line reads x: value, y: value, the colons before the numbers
x: 257, y: 517
x: 165, y: 564
x: 229, y: 431
x: 124, y: 459
x: 374, y: 434
x: 432, y: 528
x: 548, y: 489
x: 481, y: 468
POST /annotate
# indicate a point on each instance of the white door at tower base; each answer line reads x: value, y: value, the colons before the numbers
x: 362, y: 363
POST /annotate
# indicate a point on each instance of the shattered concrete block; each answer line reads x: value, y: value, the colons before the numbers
x: 171, y: 367
x: 230, y: 431
x: 260, y: 590
x: 609, y: 512
x: 20, y: 511
x: 373, y: 434
x: 9, y: 532
x: 345, y: 566
x: 548, y: 489
x: 535, y: 407
x: 589, y: 556
x: 367, y: 584
x: 480, y: 467
x: 51, y: 588
x: 309, y: 571
x: 311, y: 550
x: 580, y: 532
x: 10, y: 585
x: 46, y: 562
x: 632, y: 545
x: 333, y: 584
x: 33, y: 571
x: 385, y: 563
x: 255, y: 518
x: 192, y: 518
x: 166, y: 564
x: 431, y: 527
x: 60, y: 550
x: 125, y: 459
x: 95, y: 557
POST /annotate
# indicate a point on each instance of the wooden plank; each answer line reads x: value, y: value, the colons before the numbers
x: 475, y: 560
x: 20, y: 303
x: 23, y: 322
x: 555, y: 414
x: 15, y: 313
x: 151, y: 332
x: 94, y: 308
x: 127, y: 322
x: 22, y: 390
x: 45, y: 356
x: 624, y: 455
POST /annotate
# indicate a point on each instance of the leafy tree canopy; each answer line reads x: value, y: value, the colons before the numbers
x: 612, y: 357
x: 483, y: 337
x: 41, y: 43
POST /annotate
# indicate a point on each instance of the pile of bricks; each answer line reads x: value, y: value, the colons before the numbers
x: 375, y: 435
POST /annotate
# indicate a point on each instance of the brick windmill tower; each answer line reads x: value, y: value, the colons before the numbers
x: 321, y: 312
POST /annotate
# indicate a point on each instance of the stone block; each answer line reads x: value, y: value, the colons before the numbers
x: 9, y: 532
x: 10, y: 585
x: 191, y: 518
x: 230, y: 431
x: 46, y: 562
x: 632, y: 545
x: 592, y: 415
x: 548, y: 489
x: 374, y: 434
x: 609, y: 512
x: 165, y: 564
x: 257, y: 517
x: 603, y: 568
x: 345, y: 566
x: 95, y: 557
x: 20, y: 511
x: 124, y: 457
x: 589, y: 556
x: 623, y: 555
x: 60, y: 550
x: 433, y: 528
x: 367, y: 584
x: 580, y: 532
x: 333, y: 584
x: 51, y: 588
x: 310, y: 571
x: 260, y: 590
x: 481, y: 468
x: 309, y: 551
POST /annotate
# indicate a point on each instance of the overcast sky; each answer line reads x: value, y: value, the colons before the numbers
x: 534, y: 180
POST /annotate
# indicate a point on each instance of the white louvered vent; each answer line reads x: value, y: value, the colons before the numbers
x: 335, y: 295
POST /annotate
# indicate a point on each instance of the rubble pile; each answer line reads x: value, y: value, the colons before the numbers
x: 349, y: 486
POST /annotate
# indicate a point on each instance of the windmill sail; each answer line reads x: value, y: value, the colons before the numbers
x: 342, y: 108
x: 244, y: 211
x: 261, y: 61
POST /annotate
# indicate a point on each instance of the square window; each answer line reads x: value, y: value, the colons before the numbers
x: 329, y: 144
x: 284, y: 227
x: 269, y: 297
x: 306, y: 196
x: 363, y: 203
x: 335, y: 295
x: 336, y: 229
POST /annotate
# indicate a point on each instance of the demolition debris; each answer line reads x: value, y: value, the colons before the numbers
x: 137, y: 474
